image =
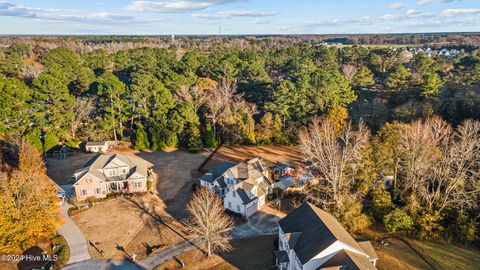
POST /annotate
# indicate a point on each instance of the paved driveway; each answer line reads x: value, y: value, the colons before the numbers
x: 264, y: 222
x: 74, y: 237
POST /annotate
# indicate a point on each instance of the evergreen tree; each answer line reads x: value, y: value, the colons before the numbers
x: 53, y: 104
x: 432, y: 85
x: 195, y: 144
x: 209, y: 137
x: 141, y: 138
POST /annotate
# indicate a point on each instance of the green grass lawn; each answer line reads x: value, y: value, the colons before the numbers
x: 398, y: 255
x: 448, y: 256
x: 251, y: 253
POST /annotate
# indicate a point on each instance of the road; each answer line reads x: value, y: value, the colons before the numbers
x: 76, y: 240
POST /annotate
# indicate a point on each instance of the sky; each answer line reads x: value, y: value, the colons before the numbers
x: 203, y: 17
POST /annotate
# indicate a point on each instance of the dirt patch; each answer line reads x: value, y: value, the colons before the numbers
x: 61, y: 171
x: 270, y: 154
x: 121, y: 228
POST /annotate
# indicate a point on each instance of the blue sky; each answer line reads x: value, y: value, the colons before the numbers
x: 159, y: 17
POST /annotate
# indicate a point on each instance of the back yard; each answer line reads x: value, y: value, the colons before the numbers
x: 250, y: 253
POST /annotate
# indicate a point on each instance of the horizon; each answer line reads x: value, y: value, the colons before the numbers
x: 237, y: 17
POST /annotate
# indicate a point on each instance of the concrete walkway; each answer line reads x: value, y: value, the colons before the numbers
x: 76, y: 241
x: 153, y: 261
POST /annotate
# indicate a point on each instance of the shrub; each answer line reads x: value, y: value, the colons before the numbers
x: 398, y: 220
x: 61, y: 249
x: 428, y: 225
x: 149, y: 184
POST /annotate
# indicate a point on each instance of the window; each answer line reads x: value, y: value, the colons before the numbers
x: 124, y: 171
x: 98, y: 191
x: 83, y: 192
x: 113, y: 173
x: 234, y: 193
x: 238, y: 208
x: 137, y: 184
x: 230, y: 205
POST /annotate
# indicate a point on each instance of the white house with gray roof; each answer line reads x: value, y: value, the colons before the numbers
x: 243, y: 186
x: 312, y: 239
x: 115, y: 173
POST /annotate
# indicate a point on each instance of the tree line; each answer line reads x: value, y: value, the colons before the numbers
x: 158, y: 97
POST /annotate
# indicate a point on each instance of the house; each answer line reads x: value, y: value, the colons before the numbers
x: 282, y: 169
x: 97, y: 147
x: 106, y: 174
x: 243, y: 186
x: 310, y: 239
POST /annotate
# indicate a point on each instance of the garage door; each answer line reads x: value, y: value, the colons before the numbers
x: 252, y: 209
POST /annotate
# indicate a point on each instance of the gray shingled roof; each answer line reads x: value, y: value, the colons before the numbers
x: 318, y: 231
x: 217, y: 171
x: 348, y: 260
x: 243, y: 195
x: 97, y: 163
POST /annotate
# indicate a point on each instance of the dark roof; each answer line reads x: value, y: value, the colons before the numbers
x: 281, y: 256
x: 243, y: 195
x: 318, y: 231
x: 217, y: 171
x: 348, y: 260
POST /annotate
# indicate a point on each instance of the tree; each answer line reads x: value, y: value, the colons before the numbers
x: 432, y: 85
x: 333, y: 154
x: 381, y: 203
x: 209, y: 139
x: 14, y: 111
x: 83, y: 110
x: 209, y: 222
x: 65, y: 65
x: 53, y: 104
x: 363, y: 77
x: 141, y: 138
x: 195, y: 143
x: 112, y: 96
x: 438, y: 164
x: 330, y: 89
x: 397, y: 78
x: 28, y: 204
x: 398, y: 220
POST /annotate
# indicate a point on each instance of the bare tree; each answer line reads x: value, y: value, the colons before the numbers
x: 209, y: 221
x: 440, y: 165
x: 349, y: 71
x: 32, y: 71
x: 193, y: 95
x: 83, y: 109
x: 332, y: 154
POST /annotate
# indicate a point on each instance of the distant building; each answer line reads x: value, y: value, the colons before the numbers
x: 97, y: 147
x: 311, y: 239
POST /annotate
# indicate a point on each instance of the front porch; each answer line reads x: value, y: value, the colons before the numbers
x: 118, y: 187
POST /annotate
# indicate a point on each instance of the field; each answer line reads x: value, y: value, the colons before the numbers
x: 251, y: 253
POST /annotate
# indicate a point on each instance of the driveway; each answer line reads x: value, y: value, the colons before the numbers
x: 76, y: 241
x: 264, y: 222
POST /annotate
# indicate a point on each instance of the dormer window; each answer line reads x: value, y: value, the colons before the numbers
x: 124, y: 171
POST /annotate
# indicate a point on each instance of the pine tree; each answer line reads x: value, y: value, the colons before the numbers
x: 141, y: 140
x: 195, y: 144
x: 209, y: 137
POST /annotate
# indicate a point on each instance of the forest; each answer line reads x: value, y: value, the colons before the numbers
x: 374, y: 112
